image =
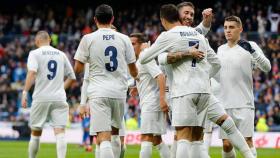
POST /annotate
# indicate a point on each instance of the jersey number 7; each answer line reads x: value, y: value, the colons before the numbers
x: 192, y: 43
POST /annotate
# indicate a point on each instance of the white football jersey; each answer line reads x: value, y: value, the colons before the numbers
x: 235, y: 76
x: 51, y: 66
x: 108, y: 54
x: 147, y: 86
x: 189, y: 76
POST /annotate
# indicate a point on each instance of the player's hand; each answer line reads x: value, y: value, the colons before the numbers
x: 84, y: 111
x: 24, y: 99
x: 195, y: 53
x: 246, y: 45
x: 163, y: 105
x: 133, y: 92
x: 207, y: 16
x: 145, y: 45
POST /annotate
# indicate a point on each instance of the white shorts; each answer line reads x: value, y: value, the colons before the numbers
x: 121, y: 130
x: 105, y: 113
x: 190, y: 110
x: 153, y: 123
x: 215, y: 109
x: 56, y: 112
x: 243, y: 119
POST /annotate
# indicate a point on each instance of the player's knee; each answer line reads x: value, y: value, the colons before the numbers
x: 221, y: 119
x: 227, y: 146
x: 58, y: 130
x: 115, y: 131
x: 36, y: 132
x: 104, y: 136
x: 157, y: 140
x: 197, y: 133
x: 249, y: 141
x: 147, y: 137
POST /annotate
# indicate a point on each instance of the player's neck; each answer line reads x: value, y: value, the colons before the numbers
x: 103, y: 26
x: 172, y: 25
x: 232, y: 43
x: 43, y: 44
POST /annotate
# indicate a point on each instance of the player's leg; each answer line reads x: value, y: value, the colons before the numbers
x: 59, y: 112
x: 160, y: 129
x: 228, y: 150
x: 163, y: 149
x: 201, y: 102
x: 122, y: 137
x: 183, y: 117
x: 100, y: 122
x: 183, y: 142
x: 229, y: 130
x: 116, y: 142
x: 208, y: 134
x: 117, y: 106
x: 34, y: 143
x: 246, y: 126
x: 38, y: 116
x: 146, y: 145
x: 174, y: 146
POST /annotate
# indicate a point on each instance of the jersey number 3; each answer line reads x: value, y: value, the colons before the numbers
x: 112, y: 52
x: 192, y: 43
x: 52, y: 66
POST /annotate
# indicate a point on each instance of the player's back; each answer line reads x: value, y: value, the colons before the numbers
x: 109, y: 54
x: 51, y: 66
x: 189, y: 76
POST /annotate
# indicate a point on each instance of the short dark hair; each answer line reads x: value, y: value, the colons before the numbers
x: 104, y: 13
x: 234, y: 18
x: 169, y: 12
x: 140, y: 37
x: 183, y: 4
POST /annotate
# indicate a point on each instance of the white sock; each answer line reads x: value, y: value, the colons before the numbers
x: 97, y: 151
x: 173, y: 149
x: 254, y: 151
x: 236, y: 138
x: 34, y: 145
x: 164, y: 150
x: 61, y: 145
x: 183, y: 149
x: 146, y: 149
x: 116, y: 145
x: 230, y: 154
x: 106, y: 150
x: 207, y: 141
x: 198, y: 150
x: 123, y: 148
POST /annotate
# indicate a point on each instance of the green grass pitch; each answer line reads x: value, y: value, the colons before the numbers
x: 18, y: 149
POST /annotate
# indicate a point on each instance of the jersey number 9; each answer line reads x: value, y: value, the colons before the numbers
x: 52, y: 66
x: 112, y: 52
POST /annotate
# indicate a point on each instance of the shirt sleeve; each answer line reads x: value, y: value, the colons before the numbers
x: 32, y: 63
x: 162, y: 58
x: 82, y: 52
x: 259, y: 59
x: 202, y: 29
x: 161, y: 45
x: 213, y: 60
x: 130, y: 54
x: 68, y: 70
x: 153, y: 68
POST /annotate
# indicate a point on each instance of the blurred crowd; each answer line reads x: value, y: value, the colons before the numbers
x: 67, y: 24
